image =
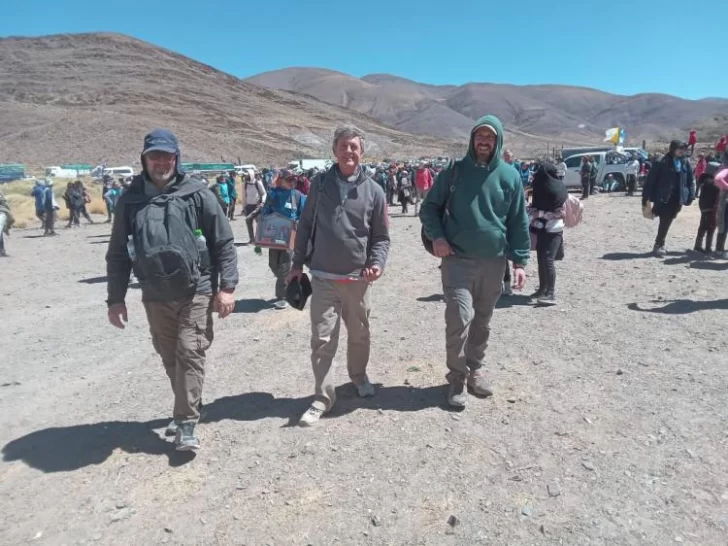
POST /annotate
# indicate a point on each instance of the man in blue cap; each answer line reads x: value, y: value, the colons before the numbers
x: 172, y: 232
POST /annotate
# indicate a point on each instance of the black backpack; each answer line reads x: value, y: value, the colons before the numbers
x: 169, y: 258
x: 426, y: 241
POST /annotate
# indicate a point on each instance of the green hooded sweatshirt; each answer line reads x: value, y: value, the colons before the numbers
x: 487, y: 211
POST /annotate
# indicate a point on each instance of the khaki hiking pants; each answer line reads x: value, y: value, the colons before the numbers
x: 331, y: 302
x: 471, y: 289
x: 181, y: 333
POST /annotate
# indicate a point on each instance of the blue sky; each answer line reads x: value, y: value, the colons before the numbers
x: 621, y: 46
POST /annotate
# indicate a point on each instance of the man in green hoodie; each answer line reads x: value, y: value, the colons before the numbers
x: 475, y: 214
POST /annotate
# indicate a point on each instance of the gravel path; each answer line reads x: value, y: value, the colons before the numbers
x: 608, y: 426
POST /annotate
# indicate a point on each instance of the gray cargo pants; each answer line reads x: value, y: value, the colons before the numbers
x: 279, y: 262
x: 181, y: 333
x: 471, y: 289
x: 331, y: 302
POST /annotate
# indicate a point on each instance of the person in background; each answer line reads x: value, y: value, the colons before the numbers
x: 524, y: 170
x: 110, y: 198
x: 423, y: 183
x: 546, y: 215
x: 73, y: 200
x: 633, y: 169
x: 719, y: 172
x: 50, y: 206
x: 232, y: 195
x: 391, y: 186
x: 669, y: 187
x: 561, y: 168
x: 404, y: 189
x: 721, y: 146
x: 254, y: 195
x: 508, y: 157
x: 86, y: 199
x: 303, y: 184
x: 708, y: 202
x: 585, y: 174
x: 286, y: 200
x: 487, y: 224
x: 347, y: 229
x: 692, y: 140
x: 6, y: 222
x: 220, y: 189
x: 38, y: 194
x: 594, y: 175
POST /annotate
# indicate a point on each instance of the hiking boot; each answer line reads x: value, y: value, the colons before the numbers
x: 312, y: 416
x: 457, y: 396
x: 660, y: 251
x: 171, y: 429
x: 3, y: 254
x: 365, y: 389
x: 479, y: 384
x: 185, y: 440
x: 507, y: 289
x: 548, y: 300
x: 699, y: 249
x: 281, y: 304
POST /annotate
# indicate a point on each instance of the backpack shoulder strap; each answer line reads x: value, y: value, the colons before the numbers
x: 452, y: 181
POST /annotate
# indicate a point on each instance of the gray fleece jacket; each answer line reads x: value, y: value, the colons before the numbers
x: 350, y: 233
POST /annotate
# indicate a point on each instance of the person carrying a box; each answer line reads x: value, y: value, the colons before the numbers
x: 286, y: 200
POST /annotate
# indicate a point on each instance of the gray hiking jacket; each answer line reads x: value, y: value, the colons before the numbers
x: 350, y: 234
x: 223, y: 270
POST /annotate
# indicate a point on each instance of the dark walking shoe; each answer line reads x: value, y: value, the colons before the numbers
x: 547, y: 300
x: 537, y: 294
x: 699, y: 249
x: 457, y: 395
x: 479, y: 383
x: 185, y: 440
x: 659, y: 251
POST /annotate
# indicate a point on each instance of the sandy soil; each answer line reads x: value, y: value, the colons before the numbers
x: 608, y: 425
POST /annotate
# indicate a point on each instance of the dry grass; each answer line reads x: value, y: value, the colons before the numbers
x: 22, y: 204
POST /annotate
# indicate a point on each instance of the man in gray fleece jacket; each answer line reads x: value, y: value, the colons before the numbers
x: 343, y: 237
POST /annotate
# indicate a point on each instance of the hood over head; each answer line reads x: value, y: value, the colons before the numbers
x: 676, y: 145
x: 162, y: 140
x: 497, y: 127
x: 549, y: 191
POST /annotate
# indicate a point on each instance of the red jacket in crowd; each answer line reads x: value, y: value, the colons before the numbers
x: 423, y: 179
x: 693, y: 138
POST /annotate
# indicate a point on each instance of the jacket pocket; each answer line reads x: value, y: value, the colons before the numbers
x: 483, y: 243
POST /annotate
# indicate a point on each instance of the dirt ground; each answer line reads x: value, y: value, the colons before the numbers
x: 608, y: 425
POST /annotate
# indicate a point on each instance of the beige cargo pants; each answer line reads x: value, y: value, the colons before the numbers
x: 471, y: 289
x: 331, y: 302
x: 181, y: 333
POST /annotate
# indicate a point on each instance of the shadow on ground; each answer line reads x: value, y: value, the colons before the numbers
x: 254, y: 305
x: 65, y: 449
x: 681, y: 307
x: 515, y: 300
x: 432, y: 299
x: 104, y: 279
x: 710, y: 266
x: 619, y: 256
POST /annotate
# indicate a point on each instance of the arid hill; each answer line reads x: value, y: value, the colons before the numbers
x: 92, y: 97
x: 551, y: 111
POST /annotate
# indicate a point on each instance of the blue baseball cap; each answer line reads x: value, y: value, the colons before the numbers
x: 160, y: 140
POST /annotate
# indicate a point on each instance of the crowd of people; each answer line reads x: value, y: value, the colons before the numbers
x: 482, y: 215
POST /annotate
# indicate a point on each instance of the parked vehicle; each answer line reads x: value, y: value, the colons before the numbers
x: 611, y: 162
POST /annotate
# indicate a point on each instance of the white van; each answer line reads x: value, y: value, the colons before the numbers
x: 119, y: 171
x: 612, y: 163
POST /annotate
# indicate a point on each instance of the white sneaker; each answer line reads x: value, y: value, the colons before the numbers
x: 507, y: 289
x: 311, y: 417
x: 365, y: 389
x: 282, y: 304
